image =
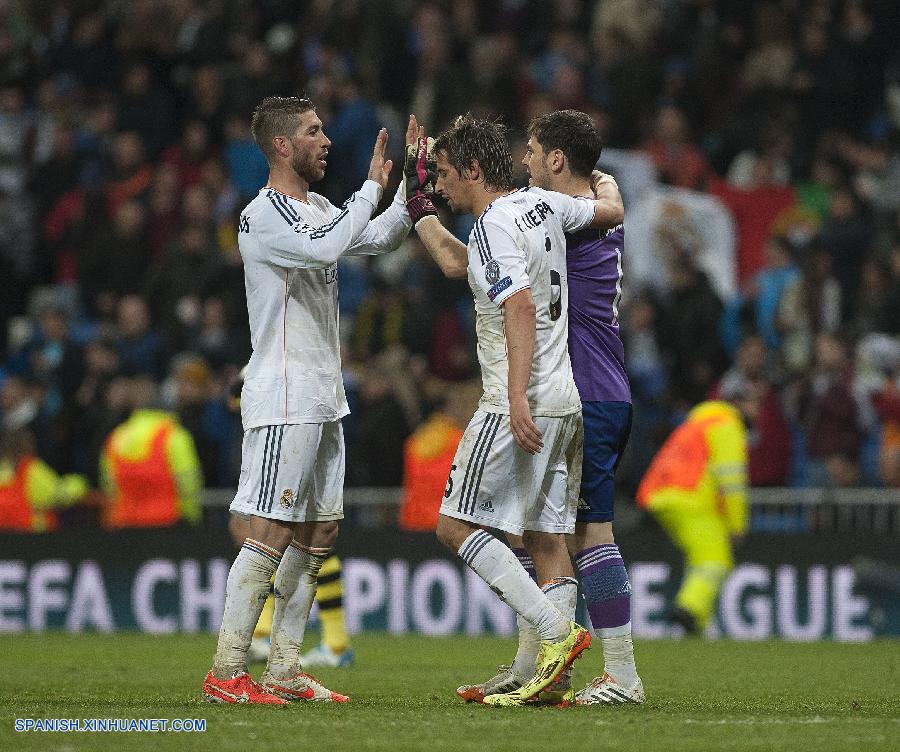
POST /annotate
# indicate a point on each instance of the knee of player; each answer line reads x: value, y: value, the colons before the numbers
x: 239, y: 529
x: 451, y: 532
x: 538, y: 542
x: 326, y: 534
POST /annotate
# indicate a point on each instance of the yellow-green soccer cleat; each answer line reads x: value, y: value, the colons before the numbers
x: 552, y: 661
x: 559, y: 693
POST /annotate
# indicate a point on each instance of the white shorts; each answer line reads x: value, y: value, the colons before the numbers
x: 495, y: 483
x: 293, y: 473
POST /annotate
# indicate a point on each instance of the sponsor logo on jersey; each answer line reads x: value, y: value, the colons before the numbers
x: 287, y: 498
x: 499, y: 287
x: 492, y: 272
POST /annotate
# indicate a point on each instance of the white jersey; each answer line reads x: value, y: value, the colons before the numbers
x: 290, y: 250
x: 519, y: 242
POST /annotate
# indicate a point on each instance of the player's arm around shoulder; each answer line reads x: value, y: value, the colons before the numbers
x: 579, y: 212
x: 609, y: 209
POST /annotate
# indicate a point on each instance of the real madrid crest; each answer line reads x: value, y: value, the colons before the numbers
x: 287, y: 498
x: 492, y: 272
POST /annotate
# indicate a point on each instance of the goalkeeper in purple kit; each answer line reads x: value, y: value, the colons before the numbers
x: 563, y: 148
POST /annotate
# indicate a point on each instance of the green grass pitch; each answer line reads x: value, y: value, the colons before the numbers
x: 701, y: 696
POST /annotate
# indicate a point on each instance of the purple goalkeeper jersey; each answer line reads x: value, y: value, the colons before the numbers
x: 594, y: 263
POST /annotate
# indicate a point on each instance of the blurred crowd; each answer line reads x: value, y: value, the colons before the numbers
x: 126, y: 157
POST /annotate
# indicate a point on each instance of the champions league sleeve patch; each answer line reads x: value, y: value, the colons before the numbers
x: 499, y: 287
x: 492, y: 272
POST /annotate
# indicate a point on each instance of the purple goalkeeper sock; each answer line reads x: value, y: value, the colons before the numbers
x: 525, y: 560
x: 607, y: 592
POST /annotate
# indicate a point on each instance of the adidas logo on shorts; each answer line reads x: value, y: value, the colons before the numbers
x: 486, y: 506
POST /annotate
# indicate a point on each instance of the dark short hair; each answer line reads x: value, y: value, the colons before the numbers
x: 277, y: 116
x: 574, y: 134
x: 471, y: 139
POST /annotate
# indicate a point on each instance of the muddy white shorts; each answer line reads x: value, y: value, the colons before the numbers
x: 495, y: 483
x: 293, y: 473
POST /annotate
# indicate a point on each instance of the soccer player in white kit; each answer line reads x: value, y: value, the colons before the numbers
x: 512, y: 468
x: 292, y: 467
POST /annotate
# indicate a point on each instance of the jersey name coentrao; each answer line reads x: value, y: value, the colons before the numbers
x: 290, y: 250
x: 519, y: 242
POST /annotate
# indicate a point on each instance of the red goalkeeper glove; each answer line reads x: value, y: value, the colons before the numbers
x: 419, y: 174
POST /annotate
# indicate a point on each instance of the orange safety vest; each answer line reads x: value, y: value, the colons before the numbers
x: 424, y: 481
x: 16, y: 512
x: 682, y: 460
x: 146, y: 493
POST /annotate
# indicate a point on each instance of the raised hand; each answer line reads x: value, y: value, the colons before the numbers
x: 413, y: 130
x: 419, y: 172
x: 379, y: 169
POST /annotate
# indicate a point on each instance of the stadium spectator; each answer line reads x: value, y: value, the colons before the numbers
x: 810, y: 304
x: 769, y: 438
x: 149, y: 469
x: 214, y: 338
x: 50, y: 355
x: 190, y: 153
x: 191, y: 270
x: 146, y: 107
x: 878, y: 299
x: 99, y: 405
x: 694, y: 364
x: 380, y: 322
x: 202, y: 414
x: 131, y: 174
x: 678, y: 161
x: 114, y: 259
x: 847, y: 236
x: 140, y: 348
x: 830, y: 416
x: 766, y: 290
x: 382, y: 427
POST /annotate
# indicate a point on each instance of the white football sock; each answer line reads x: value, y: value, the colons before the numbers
x: 562, y: 593
x: 529, y: 645
x: 618, y: 659
x: 295, y: 589
x: 498, y: 566
x: 245, y: 593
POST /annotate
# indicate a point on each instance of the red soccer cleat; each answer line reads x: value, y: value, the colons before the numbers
x: 301, y: 686
x: 240, y: 689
